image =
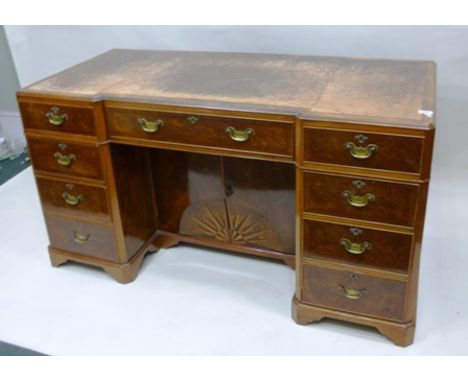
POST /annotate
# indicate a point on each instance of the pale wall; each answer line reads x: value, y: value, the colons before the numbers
x: 8, y: 79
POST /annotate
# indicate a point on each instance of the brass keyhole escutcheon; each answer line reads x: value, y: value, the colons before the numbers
x: 228, y: 191
x: 356, y: 231
x: 193, y: 120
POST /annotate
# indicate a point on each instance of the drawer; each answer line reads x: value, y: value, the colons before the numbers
x: 58, y: 118
x: 66, y: 158
x: 353, y: 292
x: 84, y: 238
x: 364, y: 199
x: 359, y: 246
x: 73, y: 198
x: 273, y: 137
x: 348, y: 148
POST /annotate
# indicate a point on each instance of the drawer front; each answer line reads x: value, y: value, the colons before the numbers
x: 385, y: 152
x: 359, y: 246
x: 354, y: 292
x: 73, y: 198
x: 364, y: 199
x: 58, y: 118
x: 81, y: 237
x: 230, y: 133
x: 66, y: 158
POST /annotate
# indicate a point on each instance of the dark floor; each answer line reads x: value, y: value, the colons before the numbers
x: 12, y: 350
x: 13, y: 166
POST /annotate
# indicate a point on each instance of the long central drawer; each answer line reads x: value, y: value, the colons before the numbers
x: 252, y: 135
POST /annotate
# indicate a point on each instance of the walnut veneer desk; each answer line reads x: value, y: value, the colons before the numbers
x: 320, y: 162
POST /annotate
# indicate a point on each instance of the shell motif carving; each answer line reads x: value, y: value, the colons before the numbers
x: 231, y: 223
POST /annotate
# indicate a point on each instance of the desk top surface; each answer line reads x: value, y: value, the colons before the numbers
x: 400, y: 93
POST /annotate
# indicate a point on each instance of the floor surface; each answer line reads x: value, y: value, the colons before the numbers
x: 12, y: 166
x: 191, y: 301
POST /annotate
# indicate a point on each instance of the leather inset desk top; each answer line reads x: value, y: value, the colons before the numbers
x: 322, y: 88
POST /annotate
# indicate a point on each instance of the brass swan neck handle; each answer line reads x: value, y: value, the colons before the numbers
x: 55, y: 118
x: 240, y: 135
x: 355, y: 248
x: 358, y: 201
x: 361, y: 152
x: 352, y: 294
x: 150, y: 126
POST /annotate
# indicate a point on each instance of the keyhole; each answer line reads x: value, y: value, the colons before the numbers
x: 228, y: 188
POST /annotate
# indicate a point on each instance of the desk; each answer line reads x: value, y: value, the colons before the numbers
x: 322, y: 163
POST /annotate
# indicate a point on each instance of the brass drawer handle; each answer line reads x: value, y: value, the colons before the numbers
x: 353, y: 294
x: 71, y: 199
x: 358, y: 201
x: 240, y: 135
x: 54, y: 117
x: 64, y: 159
x: 80, y: 238
x: 360, y: 152
x: 150, y: 126
x: 355, y: 248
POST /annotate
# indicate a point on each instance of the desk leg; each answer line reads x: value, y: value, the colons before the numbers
x: 123, y: 273
x: 290, y: 261
x: 165, y: 240
x: 126, y: 273
x: 401, y: 333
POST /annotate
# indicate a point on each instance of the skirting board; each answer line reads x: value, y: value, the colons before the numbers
x: 11, y: 128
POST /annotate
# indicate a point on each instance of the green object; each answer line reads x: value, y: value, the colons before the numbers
x: 13, y: 166
x: 13, y: 350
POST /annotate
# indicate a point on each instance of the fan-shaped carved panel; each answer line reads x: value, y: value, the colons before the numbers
x: 238, y: 225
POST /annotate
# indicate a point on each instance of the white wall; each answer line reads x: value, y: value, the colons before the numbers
x: 8, y: 79
x: 41, y: 51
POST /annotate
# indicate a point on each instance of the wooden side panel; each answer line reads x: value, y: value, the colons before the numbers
x: 134, y: 186
x: 170, y: 182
